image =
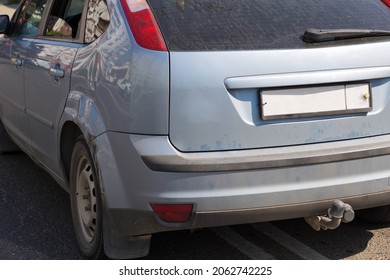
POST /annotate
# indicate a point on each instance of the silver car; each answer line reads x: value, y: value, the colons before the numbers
x: 180, y: 114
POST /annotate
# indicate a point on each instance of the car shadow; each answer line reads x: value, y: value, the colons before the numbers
x: 345, y: 242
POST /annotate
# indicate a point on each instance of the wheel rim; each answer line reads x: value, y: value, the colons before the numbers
x: 86, y: 199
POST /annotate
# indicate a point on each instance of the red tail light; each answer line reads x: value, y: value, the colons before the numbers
x: 144, y: 26
x: 387, y: 2
x: 173, y: 213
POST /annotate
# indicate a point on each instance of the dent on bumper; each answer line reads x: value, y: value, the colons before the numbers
x: 159, y: 155
x: 136, y: 222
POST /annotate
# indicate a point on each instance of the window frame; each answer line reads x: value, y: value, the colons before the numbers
x: 85, y: 23
x: 16, y: 15
x: 43, y: 23
x: 80, y: 32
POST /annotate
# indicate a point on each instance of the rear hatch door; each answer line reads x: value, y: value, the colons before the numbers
x: 243, y: 78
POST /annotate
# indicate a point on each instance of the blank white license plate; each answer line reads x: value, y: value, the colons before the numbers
x: 315, y: 101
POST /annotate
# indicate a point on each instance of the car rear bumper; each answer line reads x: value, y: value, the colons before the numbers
x: 159, y: 155
x: 223, y: 192
x: 135, y: 222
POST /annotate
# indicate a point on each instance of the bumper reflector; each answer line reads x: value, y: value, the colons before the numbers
x: 173, y: 213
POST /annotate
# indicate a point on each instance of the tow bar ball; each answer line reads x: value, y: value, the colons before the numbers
x: 337, y: 213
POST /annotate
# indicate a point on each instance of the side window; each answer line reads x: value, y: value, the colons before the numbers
x: 64, y: 18
x: 29, y: 17
x: 98, y: 19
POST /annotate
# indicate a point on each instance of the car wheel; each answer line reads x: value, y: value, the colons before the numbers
x: 86, y: 202
x: 378, y: 214
x: 6, y: 144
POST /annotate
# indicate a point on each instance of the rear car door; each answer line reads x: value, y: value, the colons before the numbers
x: 13, y: 51
x: 48, y: 70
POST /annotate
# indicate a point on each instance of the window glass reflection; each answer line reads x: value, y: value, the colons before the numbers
x: 98, y: 20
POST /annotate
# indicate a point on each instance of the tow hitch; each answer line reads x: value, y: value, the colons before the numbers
x: 337, y: 213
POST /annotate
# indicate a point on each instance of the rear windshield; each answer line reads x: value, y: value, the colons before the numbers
x: 197, y: 25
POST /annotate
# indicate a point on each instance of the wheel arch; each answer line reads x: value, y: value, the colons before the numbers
x: 69, y: 135
x: 80, y: 117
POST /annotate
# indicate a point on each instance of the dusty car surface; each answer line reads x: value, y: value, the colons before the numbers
x: 181, y: 114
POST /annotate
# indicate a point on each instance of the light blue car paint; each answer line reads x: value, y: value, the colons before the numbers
x: 185, y: 127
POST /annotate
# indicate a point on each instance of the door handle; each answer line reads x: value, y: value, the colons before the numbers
x: 57, y: 73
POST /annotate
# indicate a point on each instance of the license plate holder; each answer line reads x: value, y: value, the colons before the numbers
x: 299, y: 102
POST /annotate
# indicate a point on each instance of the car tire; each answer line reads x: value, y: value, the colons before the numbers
x: 376, y: 215
x: 6, y: 143
x: 86, y: 202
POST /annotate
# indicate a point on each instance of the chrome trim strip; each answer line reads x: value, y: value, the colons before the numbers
x: 307, y: 78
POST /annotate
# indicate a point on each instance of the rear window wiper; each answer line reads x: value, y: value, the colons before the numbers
x: 313, y: 35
